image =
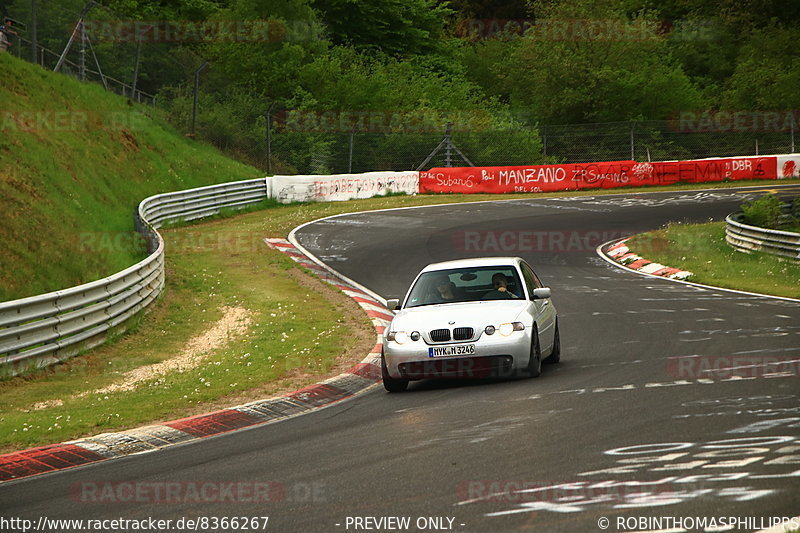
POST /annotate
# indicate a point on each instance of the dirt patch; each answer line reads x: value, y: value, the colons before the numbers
x: 47, y: 404
x: 361, y: 337
x: 129, y: 141
x: 361, y: 333
x: 234, y: 322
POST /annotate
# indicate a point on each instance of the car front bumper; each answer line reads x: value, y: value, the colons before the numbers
x: 495, y: 356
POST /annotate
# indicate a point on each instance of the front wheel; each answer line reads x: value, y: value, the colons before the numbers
x: 535, y: 359
x: 555, y: 354
x: 389, y: 383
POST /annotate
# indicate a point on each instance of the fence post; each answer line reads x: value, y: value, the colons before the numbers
x: 82, y: 55
x: 78, y: 26
x: 196, y: 87
x: 350, y: 155
x: 34, y: 36
x: 791, y: 126
x: 633, y: 154
x: 97, y: 64
x: 269, y: 136
x: 447, y: 153
x: 544, y: 141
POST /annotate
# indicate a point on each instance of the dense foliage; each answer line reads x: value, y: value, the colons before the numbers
x: 488, y: 66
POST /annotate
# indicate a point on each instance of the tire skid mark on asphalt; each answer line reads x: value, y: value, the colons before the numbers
x: 614, y: 363
x: 794, y: 373
x: 358, y: 378
x: 646, y: 475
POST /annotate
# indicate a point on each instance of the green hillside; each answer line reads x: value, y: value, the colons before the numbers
x: 75, y: 160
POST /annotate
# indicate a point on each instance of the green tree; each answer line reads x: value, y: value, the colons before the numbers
x: 767, y: 74
x: 590, y: 62
x: 395, y: 27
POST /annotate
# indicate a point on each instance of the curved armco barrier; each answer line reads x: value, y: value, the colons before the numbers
x: 748, y: 238
x: 42, y: 330
x: 577, y: 176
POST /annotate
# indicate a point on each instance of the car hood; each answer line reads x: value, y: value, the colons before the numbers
x: 465, y: 314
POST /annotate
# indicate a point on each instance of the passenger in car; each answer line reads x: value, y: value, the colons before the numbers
x: 447, y: 290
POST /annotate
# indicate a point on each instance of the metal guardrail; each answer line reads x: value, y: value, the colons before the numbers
x: 38, y: 331
x: 746, y: 238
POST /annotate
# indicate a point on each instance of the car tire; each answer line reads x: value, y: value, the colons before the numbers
x: 534, y: 368
x: 555, y: 354
x: 389, y: 383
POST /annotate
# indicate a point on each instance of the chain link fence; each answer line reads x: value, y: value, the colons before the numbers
x: 664, y: 140
x: 318, y: 153
x: 90, y: 42
x: 364, y: 151
x: 265, y: 142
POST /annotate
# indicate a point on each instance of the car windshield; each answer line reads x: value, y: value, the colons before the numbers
x: 465, y: 285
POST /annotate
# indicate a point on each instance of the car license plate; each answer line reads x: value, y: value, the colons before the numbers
x: 446, y: 351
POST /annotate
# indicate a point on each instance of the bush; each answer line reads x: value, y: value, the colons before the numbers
x: 764, y: 212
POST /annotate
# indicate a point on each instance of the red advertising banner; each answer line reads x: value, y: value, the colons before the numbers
x: 718, y: 169
x: 576, y: 176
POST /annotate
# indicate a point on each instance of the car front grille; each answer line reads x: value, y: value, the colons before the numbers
x: 463, y: 334
x: 458, y: 334
x: 440, y: 335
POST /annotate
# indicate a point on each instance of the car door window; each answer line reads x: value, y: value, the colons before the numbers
x: 530, y: 279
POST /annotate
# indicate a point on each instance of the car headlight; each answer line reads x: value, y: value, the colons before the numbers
x: 401, y: 337
x: 490, y: 330
x: 510, y: 327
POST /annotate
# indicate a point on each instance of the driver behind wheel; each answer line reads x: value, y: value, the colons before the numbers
x: 500, y: 291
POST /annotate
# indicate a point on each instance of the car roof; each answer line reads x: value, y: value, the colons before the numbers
x: 473, y: 262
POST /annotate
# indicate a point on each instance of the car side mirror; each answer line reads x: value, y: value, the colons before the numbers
x: 393, y: 304
x: 542, y: 293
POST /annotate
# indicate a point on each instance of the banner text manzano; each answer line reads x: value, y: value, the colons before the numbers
x: 609, y: 174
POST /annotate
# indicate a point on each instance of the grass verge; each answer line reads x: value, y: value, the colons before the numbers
x: 702, y: 250
x: 75, y: 160
x: 300, y: 330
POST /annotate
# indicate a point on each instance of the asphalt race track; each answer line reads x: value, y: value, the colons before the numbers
x: 664, y: 404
